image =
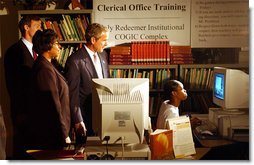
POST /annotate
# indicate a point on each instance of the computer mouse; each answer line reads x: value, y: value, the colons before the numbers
x: 206, y: 132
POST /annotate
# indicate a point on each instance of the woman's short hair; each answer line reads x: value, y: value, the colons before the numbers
x: 44, y: 40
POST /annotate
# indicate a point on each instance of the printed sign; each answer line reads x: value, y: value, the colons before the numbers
x: 144, y: 20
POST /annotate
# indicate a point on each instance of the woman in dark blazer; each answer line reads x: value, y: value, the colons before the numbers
x: 50, y: 110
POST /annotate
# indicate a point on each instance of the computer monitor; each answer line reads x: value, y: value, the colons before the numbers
x: 121, y: 109
x: 231, y: 89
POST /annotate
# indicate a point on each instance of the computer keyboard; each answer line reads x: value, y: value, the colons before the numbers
x: 206, y: 126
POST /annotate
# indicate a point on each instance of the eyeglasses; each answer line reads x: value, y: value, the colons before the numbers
x: 57, y: 43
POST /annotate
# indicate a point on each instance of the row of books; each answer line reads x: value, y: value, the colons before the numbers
x: 180, y: 59
x: 197, y: 78
x: 150, y: 52
x: 181, y: 55
x: 65, y: 52
x: 197, y: 102
x: 120, y: 55
x: 140, y: 52
x: 154, y: 105
x: 68, y: 28
x: 156, y: 76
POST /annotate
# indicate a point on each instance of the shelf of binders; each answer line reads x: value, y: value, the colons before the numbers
x: 197, y: 80
x: 70, y: 25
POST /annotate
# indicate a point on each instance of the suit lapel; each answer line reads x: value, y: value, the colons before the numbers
x: 88, y: 63
x: 28, y: 59
x: 44, y: 60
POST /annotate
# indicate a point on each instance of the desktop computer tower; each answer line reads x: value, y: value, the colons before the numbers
x: 234, y: 127
x: 230, y: 125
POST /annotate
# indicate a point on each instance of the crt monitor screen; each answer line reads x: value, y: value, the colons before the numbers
x: 121, y: 109
x: 230, y: 88
x: 219, y: 81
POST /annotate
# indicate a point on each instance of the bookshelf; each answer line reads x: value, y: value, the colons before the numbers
x: 70, y: 26
x: 156, y: 74
x: 197, y: 80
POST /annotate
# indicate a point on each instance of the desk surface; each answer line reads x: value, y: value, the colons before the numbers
x: 210, y: 142
x: 200, y: 152
x: 55, y: 155
x: 70, y: 154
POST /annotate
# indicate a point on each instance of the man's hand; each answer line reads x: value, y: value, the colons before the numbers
x: 81, y: 128
x: 68, y: 140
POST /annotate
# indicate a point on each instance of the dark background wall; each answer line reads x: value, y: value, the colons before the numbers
x: 8, y: 35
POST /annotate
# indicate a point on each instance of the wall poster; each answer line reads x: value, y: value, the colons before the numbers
x: 145, y: 20
x: 198, y: 23
x: 220, y: 23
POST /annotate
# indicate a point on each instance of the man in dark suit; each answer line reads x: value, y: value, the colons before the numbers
x: 18, y: 62
x: 87, y: 63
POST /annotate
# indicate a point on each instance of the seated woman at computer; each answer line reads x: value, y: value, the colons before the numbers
x: 174, y: 93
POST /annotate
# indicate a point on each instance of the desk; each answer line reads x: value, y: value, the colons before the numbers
x: 223, y: 149
x: 93, y: 145
x: 213, y: 142
x: 55, y: 155
x: 200, y: 152
x: 209, y: 142
x: 69, y: 154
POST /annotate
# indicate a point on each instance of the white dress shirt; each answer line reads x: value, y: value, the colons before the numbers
x: 96, y: 62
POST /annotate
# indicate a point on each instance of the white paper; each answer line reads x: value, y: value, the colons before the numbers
x: 183, y: 144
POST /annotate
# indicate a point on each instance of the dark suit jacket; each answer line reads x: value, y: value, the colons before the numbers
x: 50, y: 112
x: 79, y: 71
x: 18, y: 63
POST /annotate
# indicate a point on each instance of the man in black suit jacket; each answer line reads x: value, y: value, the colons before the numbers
x: 80, y: 68
x: 18, y: 62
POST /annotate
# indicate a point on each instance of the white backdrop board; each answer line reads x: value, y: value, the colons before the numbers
x: 132, y: 20
x: 198, y: 23
x: 220, y: 23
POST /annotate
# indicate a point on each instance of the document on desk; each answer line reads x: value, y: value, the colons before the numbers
x: 183, y: 144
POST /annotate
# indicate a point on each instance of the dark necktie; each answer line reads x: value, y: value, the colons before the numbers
x: 34, y: 55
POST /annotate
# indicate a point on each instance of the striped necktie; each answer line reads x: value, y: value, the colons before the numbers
x: 97, y: 66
